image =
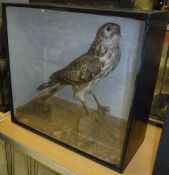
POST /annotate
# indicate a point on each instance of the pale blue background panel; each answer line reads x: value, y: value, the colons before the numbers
x: 43, y: 41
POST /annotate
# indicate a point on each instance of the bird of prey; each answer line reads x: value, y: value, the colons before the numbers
x: 102, y: 58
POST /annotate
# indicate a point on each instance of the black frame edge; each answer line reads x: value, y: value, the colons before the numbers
x: 144, y: 107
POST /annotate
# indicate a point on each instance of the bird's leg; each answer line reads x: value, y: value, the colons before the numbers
x: 79, y: 94
x: 101, y: 108
x: 85, y: 107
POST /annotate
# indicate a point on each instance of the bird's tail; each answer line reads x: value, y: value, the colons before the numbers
x: 51, y: 90
x: 46, y: 85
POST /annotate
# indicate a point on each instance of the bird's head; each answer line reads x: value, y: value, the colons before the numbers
x: 109, y: 31
x: 107, y: 37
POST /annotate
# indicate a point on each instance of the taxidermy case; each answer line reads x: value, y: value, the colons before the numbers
x: 84, y: 78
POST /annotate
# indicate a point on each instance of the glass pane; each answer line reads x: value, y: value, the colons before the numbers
x: 83, y: 103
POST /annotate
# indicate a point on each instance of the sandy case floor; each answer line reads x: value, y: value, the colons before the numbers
x: 97, y: 134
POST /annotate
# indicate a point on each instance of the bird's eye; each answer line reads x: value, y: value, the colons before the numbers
x: 108, y: 28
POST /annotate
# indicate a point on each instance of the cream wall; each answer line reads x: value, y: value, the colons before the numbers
x: 143, y: 4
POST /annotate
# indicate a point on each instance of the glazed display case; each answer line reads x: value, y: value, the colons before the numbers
x: 84, y: 78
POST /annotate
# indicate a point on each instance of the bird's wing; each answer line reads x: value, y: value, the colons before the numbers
x: 82, y: 70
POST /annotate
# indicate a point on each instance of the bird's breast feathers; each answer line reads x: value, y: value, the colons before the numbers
x: 110, y: 61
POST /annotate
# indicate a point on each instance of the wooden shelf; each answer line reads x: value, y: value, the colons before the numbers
x: 67, y: 162
x: 3, y: 115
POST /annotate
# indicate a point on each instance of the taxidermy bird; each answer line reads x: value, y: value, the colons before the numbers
x: 102, y: 58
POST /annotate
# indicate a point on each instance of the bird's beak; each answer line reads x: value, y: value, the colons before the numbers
x: 118, y: 33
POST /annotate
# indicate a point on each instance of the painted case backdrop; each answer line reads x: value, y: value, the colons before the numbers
x: 43, y: 41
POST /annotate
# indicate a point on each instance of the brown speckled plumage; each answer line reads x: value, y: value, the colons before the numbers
x: 102, y: 58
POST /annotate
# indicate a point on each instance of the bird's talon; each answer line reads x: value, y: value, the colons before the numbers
x: 104, y: 109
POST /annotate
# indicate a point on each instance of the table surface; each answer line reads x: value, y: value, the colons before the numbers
x: 3, y: 115
x: 68, y: 162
